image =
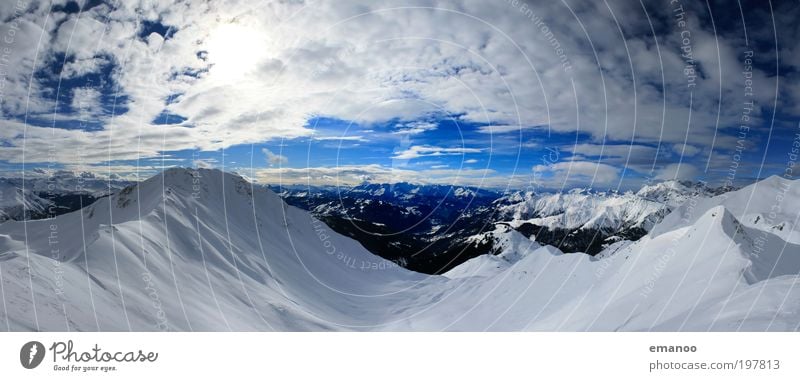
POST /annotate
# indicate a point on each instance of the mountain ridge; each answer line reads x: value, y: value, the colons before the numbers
x: 205, y: 250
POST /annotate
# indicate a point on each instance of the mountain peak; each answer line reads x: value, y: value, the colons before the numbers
x: 193, y: 180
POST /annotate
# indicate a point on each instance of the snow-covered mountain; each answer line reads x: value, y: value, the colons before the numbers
x: 432, y: 228
x: 508, y: 247
x: 700, y: 269
x: 587, y: 221
x: 44, y: 194
x: 62, y: 182
x: 16, y: 204
x: 579, y: 209
x: 191, y: 250
x: 703, y: 276
x: 610, y: 211
x: 408, y: 191
x: 771, y: 205
x: 675, y: 192
x: 206, y: 250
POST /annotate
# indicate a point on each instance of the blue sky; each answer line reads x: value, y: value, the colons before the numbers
x: 509, y: 94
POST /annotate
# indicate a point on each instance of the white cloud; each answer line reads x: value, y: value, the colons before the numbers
x: 685, y: 150
x: 611, y: 150
x: 86, y: 103
x: 499, y: 129
x: 413, y: 128
x: 677, y: 171
x: 354, y: 175
x: 567, y: 174
x: 200, y: 163
x: 484, y: 62
x: 341, y: 138
x: 638, y: 157
x: 414, y: 152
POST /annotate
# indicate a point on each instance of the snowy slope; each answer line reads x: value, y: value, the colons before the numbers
x: 771, y: 205
x: 509, y: 246
x: 702, y: 277
x: 155, y: 256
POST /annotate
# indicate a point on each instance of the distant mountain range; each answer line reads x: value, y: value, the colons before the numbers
x: 433, y: 228
x: 204, y: 250
x: 46, y: 195
x: 425, y: 228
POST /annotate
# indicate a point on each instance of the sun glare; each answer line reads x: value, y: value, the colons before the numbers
x: 233, y: 50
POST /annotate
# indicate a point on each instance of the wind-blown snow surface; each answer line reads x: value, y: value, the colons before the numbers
x: 609, y: 211
x: 191, y: 251
x: 771, y: 205
x: 206, y: 250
